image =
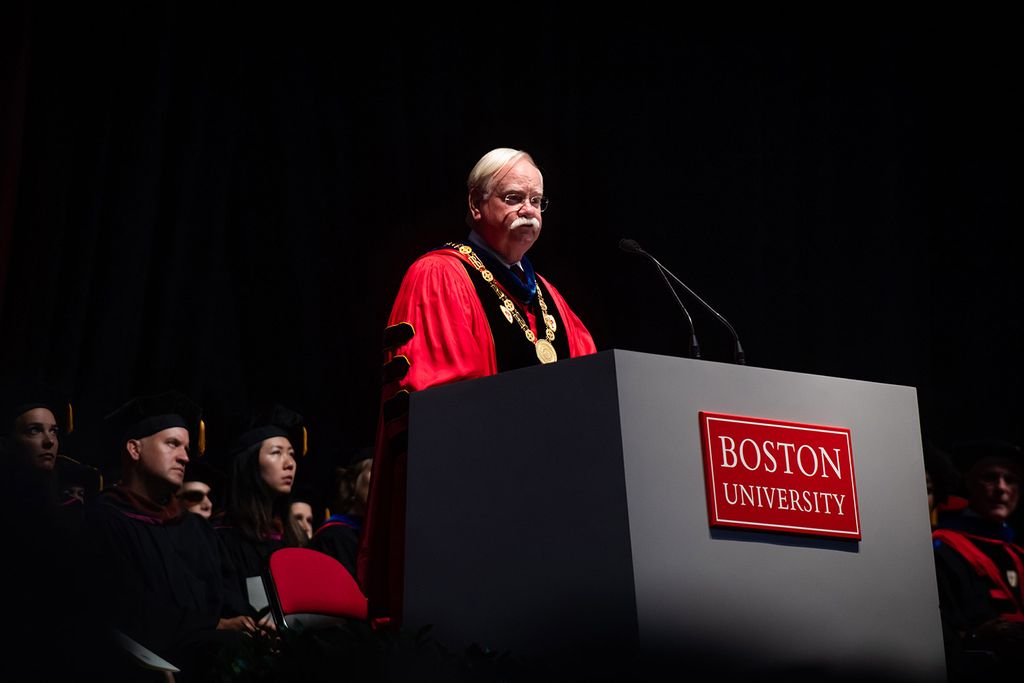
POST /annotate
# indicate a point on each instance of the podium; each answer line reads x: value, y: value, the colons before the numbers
x: 564, y: 506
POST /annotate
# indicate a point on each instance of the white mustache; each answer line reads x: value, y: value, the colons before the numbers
x: 524, y: 220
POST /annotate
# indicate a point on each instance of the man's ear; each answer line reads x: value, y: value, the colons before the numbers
x: 134, y: 448
x: 474, y: 204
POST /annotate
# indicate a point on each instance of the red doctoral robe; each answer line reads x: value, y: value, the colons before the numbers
x: 439, y: 332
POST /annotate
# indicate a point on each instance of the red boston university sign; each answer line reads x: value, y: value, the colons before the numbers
x: 779, y: 476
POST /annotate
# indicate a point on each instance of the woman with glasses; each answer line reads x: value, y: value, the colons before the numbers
x: 201, y: 484
x: 195, y: 497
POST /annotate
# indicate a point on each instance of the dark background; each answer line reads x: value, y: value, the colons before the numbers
x: 224, y: 202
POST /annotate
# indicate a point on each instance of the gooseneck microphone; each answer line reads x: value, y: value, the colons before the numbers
x: 633, y: 247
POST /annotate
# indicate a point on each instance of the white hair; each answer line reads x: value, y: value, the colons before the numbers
x: 490, y: 169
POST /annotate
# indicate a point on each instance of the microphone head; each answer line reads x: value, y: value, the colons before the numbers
x: 632, y: 246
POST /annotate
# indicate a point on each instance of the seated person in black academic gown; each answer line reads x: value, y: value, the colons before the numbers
x: 29, y: 444
x: 979, y: 565
x: 261, y: 470
x: 339, y: 535
x: 156, y: 566
x: 202, y: 483
x: 47, y: 489
x: 35, y: 473
x: 41, y: 546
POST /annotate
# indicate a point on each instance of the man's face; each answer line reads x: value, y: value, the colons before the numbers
x: 510, y: 229
x: 195, y: 496
x: 162, y: 456
x: 35, y: 433
x: 994, y: 488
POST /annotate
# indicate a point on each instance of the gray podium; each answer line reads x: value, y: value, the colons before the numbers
x: 559, y: 506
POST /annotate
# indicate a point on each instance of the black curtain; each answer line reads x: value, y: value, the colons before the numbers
x: 224, y: 202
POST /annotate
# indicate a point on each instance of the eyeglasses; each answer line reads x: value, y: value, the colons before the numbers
x: 193, y: 496
x: 539, y: 202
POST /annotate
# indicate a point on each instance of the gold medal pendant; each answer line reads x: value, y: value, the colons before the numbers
x: 546, y: 352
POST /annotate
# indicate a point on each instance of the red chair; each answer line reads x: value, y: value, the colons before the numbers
x: 308, y: 589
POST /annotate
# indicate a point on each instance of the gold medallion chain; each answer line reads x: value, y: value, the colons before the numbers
x: 545, y: 350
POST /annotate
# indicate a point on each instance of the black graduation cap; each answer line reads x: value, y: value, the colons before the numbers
x: 71, y: 472
x: 145, y: 415
x: 21, y: 396
x: 276, y: 421
x: 199, y: 468
x: 967, y: 453
x: 939, y: 465
x: 307, y: 490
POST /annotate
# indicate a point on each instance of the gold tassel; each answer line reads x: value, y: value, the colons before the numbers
x: 71, y: 418
x: 202, y: 437
x: 305, y: 441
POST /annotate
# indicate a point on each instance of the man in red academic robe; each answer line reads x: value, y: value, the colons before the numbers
x: 466, y: 310
x: 979, y: 566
